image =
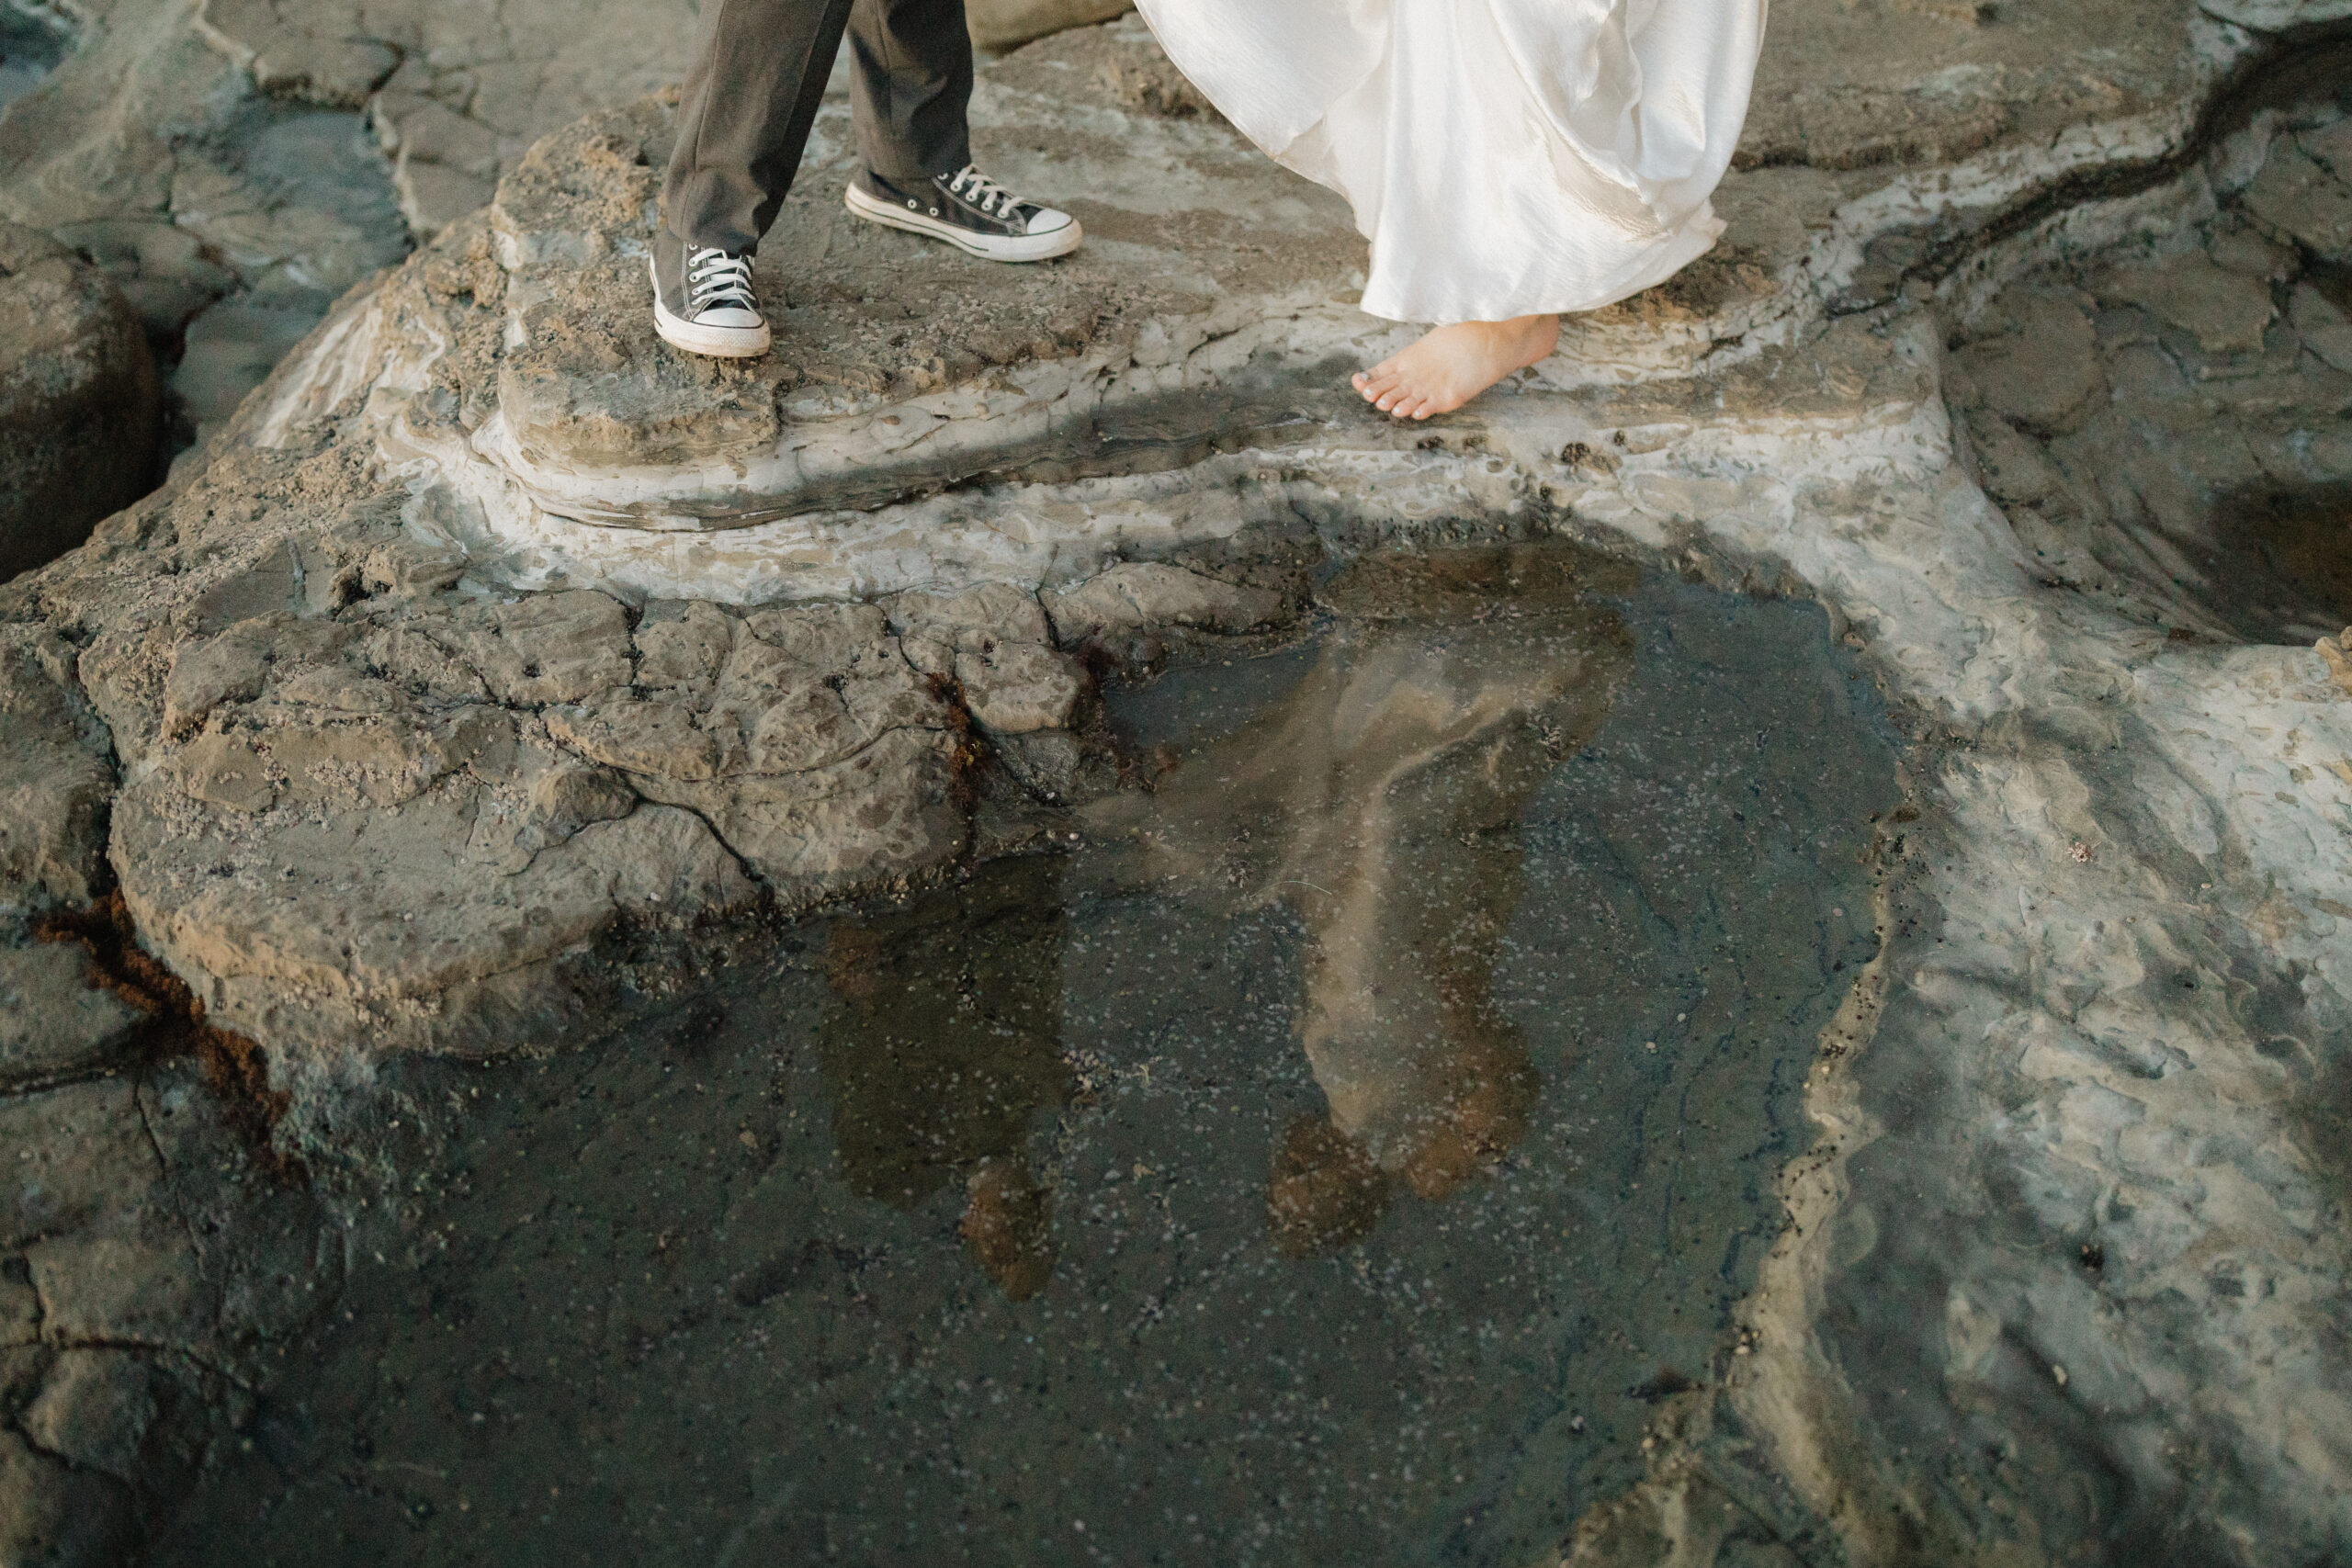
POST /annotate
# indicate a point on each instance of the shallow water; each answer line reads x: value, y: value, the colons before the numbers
x: 300, y: 204
x: 1332, y: 1159
x: 2283, y: 568
x: 31, y: 47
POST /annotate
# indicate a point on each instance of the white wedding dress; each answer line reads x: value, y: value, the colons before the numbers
x: 1504, y: 157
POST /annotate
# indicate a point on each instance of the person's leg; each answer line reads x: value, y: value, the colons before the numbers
x: 911, y: 92
x: 759, y: 74
x: 912, y: 87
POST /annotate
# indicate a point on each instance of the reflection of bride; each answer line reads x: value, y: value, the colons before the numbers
x: 1378, y: 799
x: 1508, y: 159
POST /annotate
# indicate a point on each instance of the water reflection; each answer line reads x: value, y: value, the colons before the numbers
x: 1379, y: 798
x: 719, y: 1289
x: 940, y: 1042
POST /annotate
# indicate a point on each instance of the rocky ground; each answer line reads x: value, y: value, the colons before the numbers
x: 232, y: 167
x: 492, y: 670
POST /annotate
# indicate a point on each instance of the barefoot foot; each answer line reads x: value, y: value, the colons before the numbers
x: 1450, y: 365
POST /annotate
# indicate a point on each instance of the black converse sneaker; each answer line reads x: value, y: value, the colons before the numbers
x: 971, y: 213
x: 702, y: 299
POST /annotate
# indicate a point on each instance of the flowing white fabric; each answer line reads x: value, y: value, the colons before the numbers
x: 1504, y: 157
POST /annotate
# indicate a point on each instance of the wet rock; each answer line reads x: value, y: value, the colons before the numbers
x: 85, y: 1144
x: 408, y: 766
x: 51, y: 1513
x: 143, y: 1255
x: 2186, y: 463
x: 78, y: 411
x: 94, y: 1410
x: 57, y: 1021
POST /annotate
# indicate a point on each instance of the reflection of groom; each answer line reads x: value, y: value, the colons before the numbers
x: 1380, y: 798
x: 759, y: 74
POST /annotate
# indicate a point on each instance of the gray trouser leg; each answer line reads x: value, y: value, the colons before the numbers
x: 759, y: 74
x: 912, y: 87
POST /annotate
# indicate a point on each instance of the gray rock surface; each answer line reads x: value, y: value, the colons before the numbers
x: 146, y: 1264
x: 493, y: 663
x: 57, y: 1020
x: 78, y: 412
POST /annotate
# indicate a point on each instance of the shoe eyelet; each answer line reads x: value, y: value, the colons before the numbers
x: 910, y: 204
x: 934, y: 212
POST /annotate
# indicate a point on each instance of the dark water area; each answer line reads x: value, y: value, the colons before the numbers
x: 1333, y: 1158
x: 31, y: 47
x: 2283, y: 571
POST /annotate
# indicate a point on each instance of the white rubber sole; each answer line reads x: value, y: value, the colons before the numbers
x: 988, y: 247
x: 716, y: 343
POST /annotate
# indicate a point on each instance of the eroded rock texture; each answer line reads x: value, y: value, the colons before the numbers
x: 494, y: 666
x: 235, y: 166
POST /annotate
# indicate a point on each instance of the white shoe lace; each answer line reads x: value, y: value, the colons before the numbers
x: 991, y: 199
x: 719, y: 279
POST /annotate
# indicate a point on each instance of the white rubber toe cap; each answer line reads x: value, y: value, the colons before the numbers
x: 728, y: 332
